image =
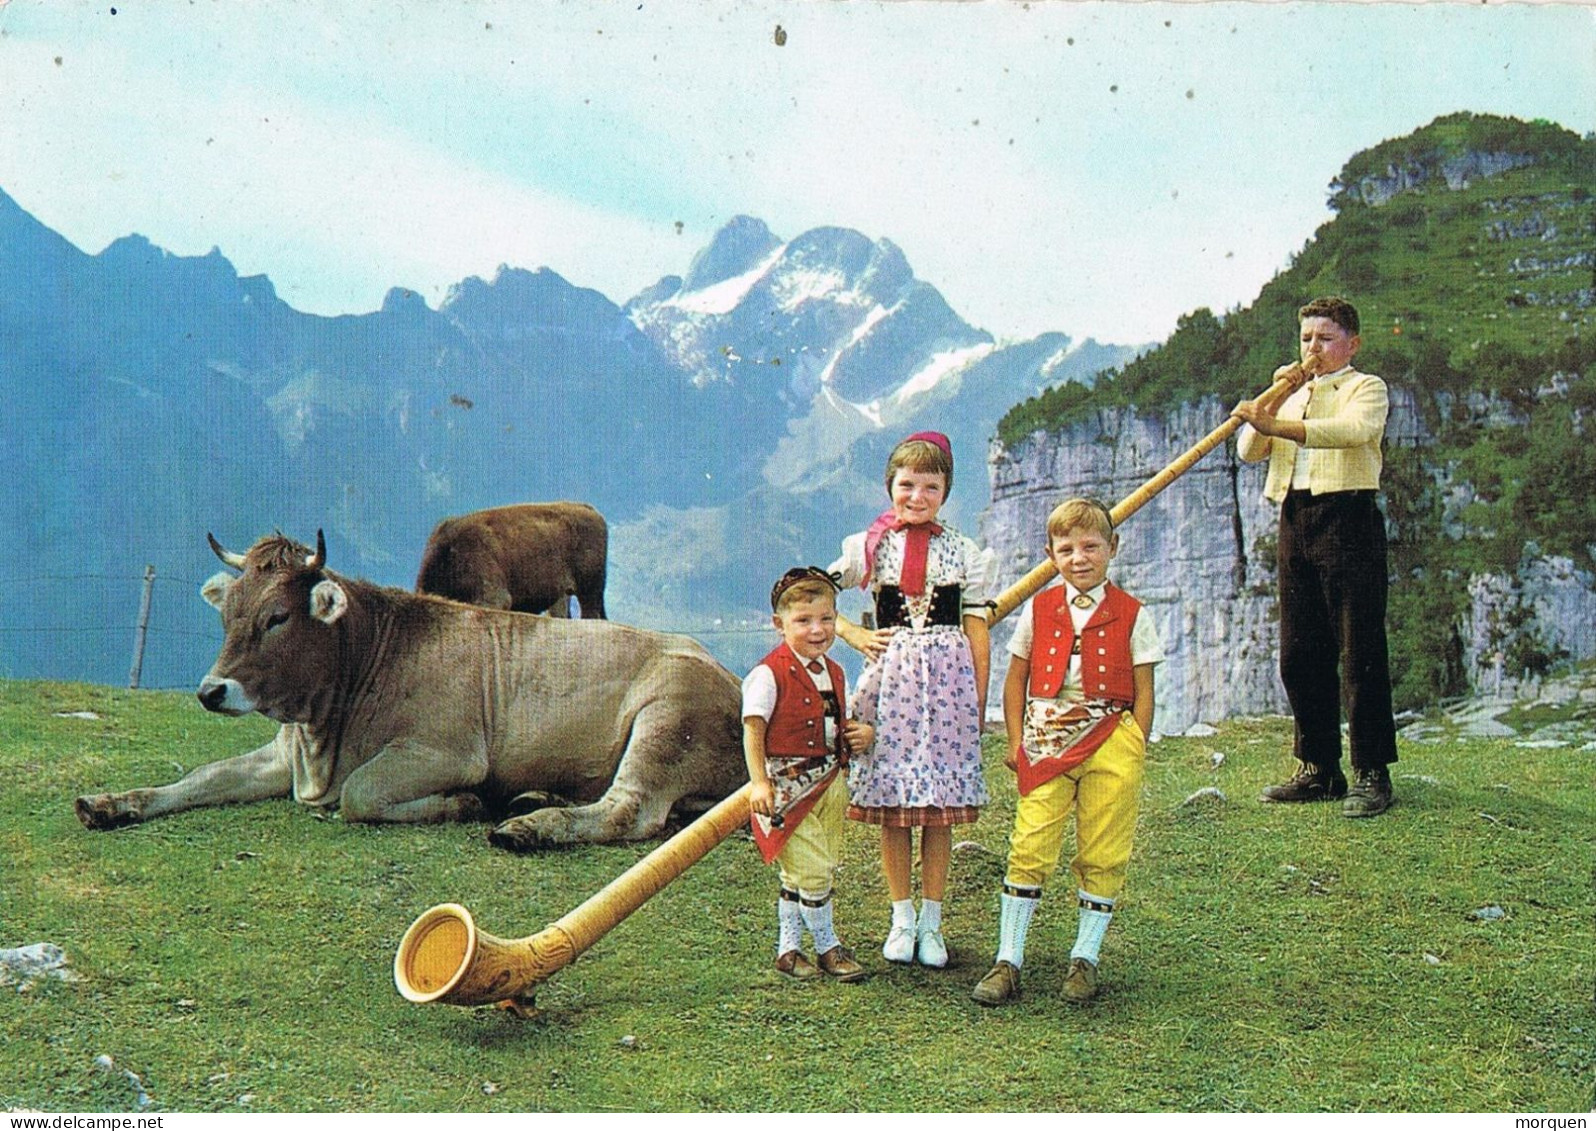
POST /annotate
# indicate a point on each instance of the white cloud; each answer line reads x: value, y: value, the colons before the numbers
x: 1093, y: 168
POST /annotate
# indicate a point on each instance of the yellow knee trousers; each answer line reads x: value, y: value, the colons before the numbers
x: 808, y: 860
x: 1105, y: 792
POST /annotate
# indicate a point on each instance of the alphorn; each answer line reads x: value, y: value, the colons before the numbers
x: 1026, y: 587
x: 444, y: 957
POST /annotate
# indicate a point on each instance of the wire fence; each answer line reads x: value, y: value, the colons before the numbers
x: 158, y: 609
x: 58, y: 607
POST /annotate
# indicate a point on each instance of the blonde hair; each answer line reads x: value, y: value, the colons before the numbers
x: 802, y: 583
x: 922, y: 456
x: 1074, y: 514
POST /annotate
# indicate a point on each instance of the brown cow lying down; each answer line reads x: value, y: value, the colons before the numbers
x: 530, y: 557
x: 398, y: 707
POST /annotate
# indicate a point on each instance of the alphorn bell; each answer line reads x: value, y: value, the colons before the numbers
x: 444, y: 957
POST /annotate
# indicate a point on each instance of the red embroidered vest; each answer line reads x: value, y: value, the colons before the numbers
x: 797, y: 727
x: 1105, y: 645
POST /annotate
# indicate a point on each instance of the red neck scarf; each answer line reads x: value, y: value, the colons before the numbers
x: 916, y: 544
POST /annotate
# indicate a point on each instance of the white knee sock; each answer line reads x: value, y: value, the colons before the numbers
x: 930, y: 915
x: 1015, y: 907
x: 789, y: 923
x: 903, y: 913
x: 1096, y: 911
x: 817, y: 913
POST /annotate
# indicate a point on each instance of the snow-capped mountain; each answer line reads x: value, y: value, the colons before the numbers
x: 729, y: 423
x: 818, y: 342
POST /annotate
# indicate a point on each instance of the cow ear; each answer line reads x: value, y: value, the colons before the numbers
x: 215, y: 590
x: 328, y: 601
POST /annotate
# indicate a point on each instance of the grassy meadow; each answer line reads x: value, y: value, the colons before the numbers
x: 1265, y: 958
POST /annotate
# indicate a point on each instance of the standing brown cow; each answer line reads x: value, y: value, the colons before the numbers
x: 528, y: 558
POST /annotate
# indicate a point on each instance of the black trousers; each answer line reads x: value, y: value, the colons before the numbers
x: 1333, y: 581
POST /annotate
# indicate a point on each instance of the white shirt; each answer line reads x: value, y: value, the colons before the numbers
x: 951, y: 559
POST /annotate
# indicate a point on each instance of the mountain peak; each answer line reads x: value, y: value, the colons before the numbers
x: 740, y: 244
x: 403, y: 300
x: 24, y: 239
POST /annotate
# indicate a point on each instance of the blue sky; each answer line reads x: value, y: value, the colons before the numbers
x: 1098, y: 169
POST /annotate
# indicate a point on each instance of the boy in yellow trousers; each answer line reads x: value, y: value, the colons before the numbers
x: 796, y: 741
x: 1078, y: 705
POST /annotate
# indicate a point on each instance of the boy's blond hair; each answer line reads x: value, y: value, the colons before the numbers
x: 803, y: 583
x: 1073, y: 514
x: 922, y: 456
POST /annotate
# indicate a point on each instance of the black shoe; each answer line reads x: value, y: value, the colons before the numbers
x: 1370, y: 795
x: 1310, y: 783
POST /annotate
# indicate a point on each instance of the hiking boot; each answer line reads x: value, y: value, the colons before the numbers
x: 1309, y: 783
x: 1370, y: 795
x: 1080, y: 984
x: 1001, y: 984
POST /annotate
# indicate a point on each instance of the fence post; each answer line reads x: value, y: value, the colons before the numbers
x: 143, y: 628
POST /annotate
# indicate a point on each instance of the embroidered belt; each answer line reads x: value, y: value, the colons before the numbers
x: 892, y: 607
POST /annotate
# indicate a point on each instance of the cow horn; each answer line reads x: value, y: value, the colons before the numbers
x: 445, y: 958
x: 319, y: 558
x: 228, y: 557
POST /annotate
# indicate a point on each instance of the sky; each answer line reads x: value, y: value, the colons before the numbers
x: 1093, y: 168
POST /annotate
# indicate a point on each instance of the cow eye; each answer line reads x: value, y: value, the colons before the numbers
x: 277, y: 617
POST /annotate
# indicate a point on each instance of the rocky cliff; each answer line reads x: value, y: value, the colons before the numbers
x: 1201, y: 556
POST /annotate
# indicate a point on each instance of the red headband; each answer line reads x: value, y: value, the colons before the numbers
x: 934, y: 438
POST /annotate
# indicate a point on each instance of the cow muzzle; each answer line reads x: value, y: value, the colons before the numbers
x: 224, y: 696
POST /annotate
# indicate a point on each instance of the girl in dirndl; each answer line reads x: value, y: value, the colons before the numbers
x: 923, y: 688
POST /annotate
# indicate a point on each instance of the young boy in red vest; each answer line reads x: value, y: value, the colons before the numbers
x: 1078, y: 705
x: 796, y: 741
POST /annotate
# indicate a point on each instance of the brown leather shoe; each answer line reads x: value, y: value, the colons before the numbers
x: 796, y: 964
x: 1080, y: 984
x: 1309, y: 783
x: 1370, y: 795
x: 1001, y: 984
x: 841, y: 965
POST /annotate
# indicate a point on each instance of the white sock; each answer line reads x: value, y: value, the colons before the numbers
x: 1096, y: 911
x: 817, y: 913
x: 903, y: 913
x: 1015, y: 907
x: 789, y: 923
x: 930, y: 915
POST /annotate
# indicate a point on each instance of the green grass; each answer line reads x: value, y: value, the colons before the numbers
x: 1266, y: 958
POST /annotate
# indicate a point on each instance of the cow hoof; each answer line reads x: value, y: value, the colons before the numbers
x: 545, y: 828
x: 102, y: 812
x: 534, y: 799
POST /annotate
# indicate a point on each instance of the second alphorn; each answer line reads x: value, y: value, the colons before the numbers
x: 1026, y: 587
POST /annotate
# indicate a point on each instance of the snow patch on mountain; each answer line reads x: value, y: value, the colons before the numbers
x: 723, y: 297
x: 1051, y: 365
x: 941, y: 366
x: 794, y: 287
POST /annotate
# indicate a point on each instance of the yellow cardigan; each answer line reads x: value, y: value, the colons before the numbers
x: 1345, y: 421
